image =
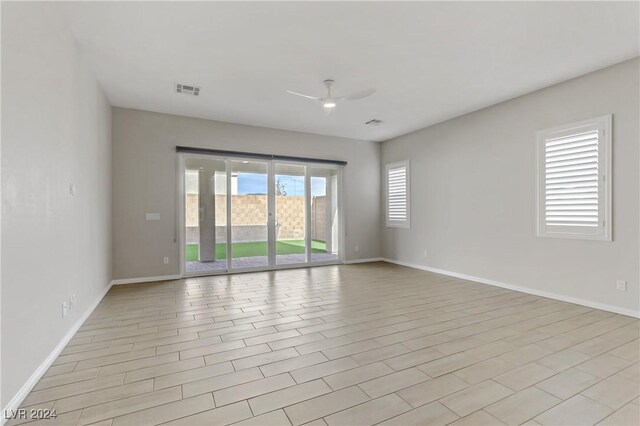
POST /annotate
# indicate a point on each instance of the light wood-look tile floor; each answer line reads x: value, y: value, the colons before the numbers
x: 342, y: 345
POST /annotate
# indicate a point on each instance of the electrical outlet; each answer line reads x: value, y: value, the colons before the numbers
x: 65, y: 309
x: 72, y: 189
x: 166, y: 260
x: 72, y: 301
x: 425, y: 253
x: 621, y: 285
x: 357, y: 249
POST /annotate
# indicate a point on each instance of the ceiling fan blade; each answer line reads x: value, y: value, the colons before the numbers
x: 303, y: 95
x: 360, y: 95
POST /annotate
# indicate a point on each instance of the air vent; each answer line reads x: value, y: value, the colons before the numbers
x: 188, y: 90
x: 373, y: 122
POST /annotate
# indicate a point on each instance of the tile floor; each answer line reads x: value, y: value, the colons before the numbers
x: 342, y: 345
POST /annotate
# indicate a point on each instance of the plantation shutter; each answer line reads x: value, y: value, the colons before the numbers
x: 572, y: 180
x: 397, y: 176
x: 573, y: 188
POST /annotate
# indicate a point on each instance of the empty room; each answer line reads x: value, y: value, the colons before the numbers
x: 320, y: 213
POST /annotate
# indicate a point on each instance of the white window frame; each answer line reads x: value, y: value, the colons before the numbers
x: 603, y: 231
x: 397, y: 223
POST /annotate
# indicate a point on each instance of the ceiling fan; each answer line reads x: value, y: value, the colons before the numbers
x: 330, y: 101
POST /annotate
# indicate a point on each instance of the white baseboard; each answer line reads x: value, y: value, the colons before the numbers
x: 371, y: 259
x: 17, y: 399
x: 145, y: 279
x: 528, y: 290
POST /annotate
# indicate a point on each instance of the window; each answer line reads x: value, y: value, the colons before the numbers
x: 397, y: 184
x: 574, y: 180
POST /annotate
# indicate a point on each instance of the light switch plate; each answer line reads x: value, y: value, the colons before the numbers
x: 621, y: 285
x: 152, y: 216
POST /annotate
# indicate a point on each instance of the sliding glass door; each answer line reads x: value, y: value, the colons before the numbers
x: 249, y: 214
x: 205, y: 215
x: 290, y: 213
x: 245, y: 214
x: 324, y: 229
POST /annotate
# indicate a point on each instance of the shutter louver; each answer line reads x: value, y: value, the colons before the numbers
x: 571, y: 185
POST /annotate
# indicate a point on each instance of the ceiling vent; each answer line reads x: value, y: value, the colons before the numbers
x: 188, y: 90
x: 373, y: 122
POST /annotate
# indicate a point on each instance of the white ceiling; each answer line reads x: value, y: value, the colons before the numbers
x: 428, y: 61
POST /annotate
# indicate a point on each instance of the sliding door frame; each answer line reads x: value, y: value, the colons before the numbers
x: 271, y: 207
x: 182, y: 237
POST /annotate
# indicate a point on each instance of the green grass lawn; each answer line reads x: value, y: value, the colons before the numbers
x: 258, y: 248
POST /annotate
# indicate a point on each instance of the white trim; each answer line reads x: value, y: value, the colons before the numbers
x: 145, y: 279
x: 528, y: 290
x: 371, y: 259
x: 17, y: 399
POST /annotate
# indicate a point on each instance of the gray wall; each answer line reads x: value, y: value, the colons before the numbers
x: 56, y: 130
x: 473, y: 205
x: 145, y: 180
